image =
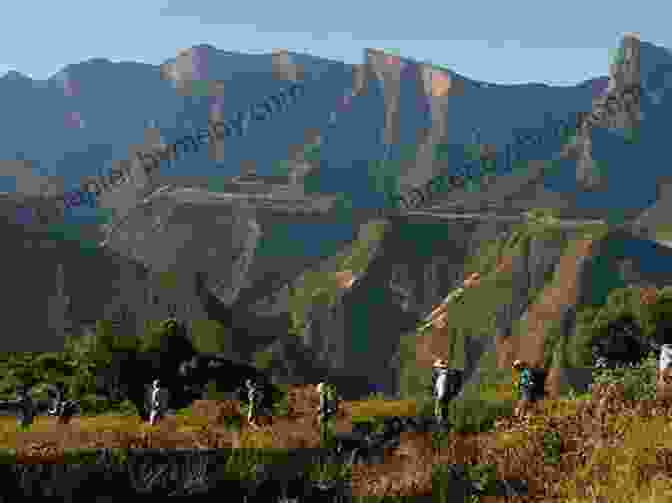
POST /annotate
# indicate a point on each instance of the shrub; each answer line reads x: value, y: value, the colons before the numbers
x: 474, y: 415
x: 638, y: 381
x: 212, y: 393
x: 481, y: 478
x: 552, y: 447
x: 658, y: 311
x: 92, y: 405
x: 126, y: 408
x: 573, y: 395
x: 280, y: 403
x: 544, y: 216
x: 232, y: 422
x: 578, y: 347
x: 484, y: 476
x: 622, y: 303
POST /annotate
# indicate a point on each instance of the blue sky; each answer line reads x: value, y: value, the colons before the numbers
x: 504, y: 42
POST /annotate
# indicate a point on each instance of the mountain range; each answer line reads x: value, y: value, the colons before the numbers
x: 239, y: 259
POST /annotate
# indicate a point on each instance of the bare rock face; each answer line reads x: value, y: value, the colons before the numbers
x: 618, y: 108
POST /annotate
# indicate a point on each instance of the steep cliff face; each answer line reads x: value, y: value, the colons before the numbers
x: 618, y: 107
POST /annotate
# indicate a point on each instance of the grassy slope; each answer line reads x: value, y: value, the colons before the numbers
x: 317, y: 286
x: 323, y: 283
x: 475, y: 315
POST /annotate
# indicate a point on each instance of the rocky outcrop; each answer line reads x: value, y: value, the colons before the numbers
x: 617, y: 108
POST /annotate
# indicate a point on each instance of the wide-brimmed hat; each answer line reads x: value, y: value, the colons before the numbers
x: 441, y: 363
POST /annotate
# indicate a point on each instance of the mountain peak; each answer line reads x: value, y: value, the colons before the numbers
x: 14, y: 75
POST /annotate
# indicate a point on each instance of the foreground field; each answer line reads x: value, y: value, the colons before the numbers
x: 598, y: 449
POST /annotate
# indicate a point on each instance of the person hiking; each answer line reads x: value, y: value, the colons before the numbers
x: 255, y: 397
x: 58, y: 406
x: 527, y: 386
x: 157, y: 403
x: 24, y: 407
x: 55, y: 393
x: 665, y: 363
x: 327, y: 409
x: 444, y: 388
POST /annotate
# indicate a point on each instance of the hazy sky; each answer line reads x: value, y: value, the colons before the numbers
x: 505, y: 41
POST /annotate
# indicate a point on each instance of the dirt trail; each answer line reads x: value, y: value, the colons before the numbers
x: 204, y: 428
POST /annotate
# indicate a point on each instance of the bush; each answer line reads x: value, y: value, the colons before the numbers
x: 126, y: 408
x: 552, y: 447
x: 638, y: 381
x: 212, y: 393
x: 481, y: 480
x: 93, y: 405
x: 573, y: 395
x: 544, y: 216
x: 658, y: 311
x: 232, y: 422
x: 280, y: 403
x: 477, y: 415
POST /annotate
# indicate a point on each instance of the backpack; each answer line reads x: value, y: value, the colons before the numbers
x: 331, y: 398
x: 453, y: 380
x: 533, y: 379
x: 526, y: 379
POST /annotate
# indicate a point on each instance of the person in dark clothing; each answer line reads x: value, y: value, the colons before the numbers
x: 328, y: 408
x: 58, y: 406
x: 530, y: 386
x: 24, y: 407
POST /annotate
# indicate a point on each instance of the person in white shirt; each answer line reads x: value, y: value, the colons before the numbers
x: 158, y: 403
x: 665, y: 363
x: 440, y: 390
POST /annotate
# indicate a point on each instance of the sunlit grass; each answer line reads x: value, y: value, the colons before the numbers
x: 379, y: 407
x: 622, y: 465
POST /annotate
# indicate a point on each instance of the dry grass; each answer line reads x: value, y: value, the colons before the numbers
x: 611, y: 449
